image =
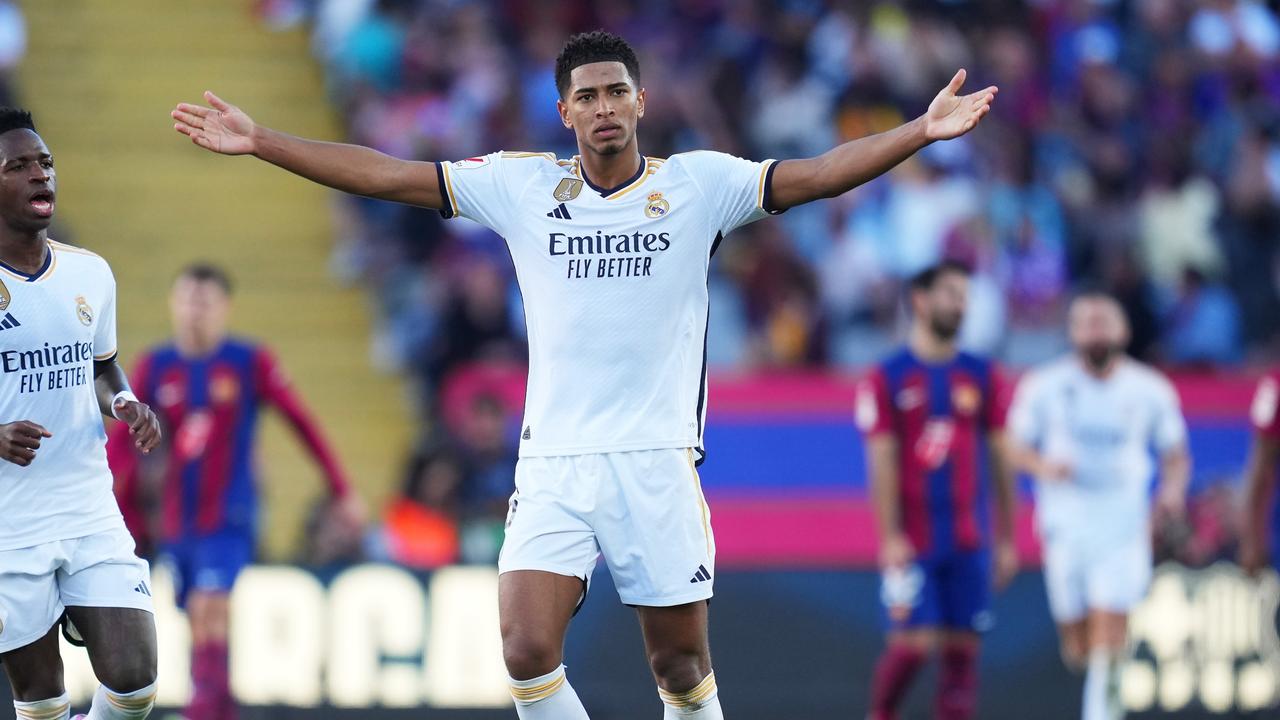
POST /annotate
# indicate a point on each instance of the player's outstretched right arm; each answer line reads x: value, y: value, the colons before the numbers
x: 20, y: 440
x: 226, y: 129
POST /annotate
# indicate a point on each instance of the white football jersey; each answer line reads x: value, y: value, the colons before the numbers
x: 53, y: 325
x: 615, y: 288
x: 1105, y: 430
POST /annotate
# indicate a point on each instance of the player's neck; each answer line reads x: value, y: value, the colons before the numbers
x: 610, y: 171
x: 929, y: 347
x: 196, y: 347
x: 24, y: 252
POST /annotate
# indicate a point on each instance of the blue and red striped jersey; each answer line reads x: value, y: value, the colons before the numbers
x: 941, y: 415
x: 208, y: 409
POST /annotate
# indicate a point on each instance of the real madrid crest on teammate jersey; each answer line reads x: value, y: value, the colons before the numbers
x: 567, y: 190
x: 83, y: 311
x: 656, y: 207
x: 4, y: 296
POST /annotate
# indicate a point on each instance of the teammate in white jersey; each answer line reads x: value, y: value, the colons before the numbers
x: 1084, y: 427
x: 64, y: 549
x: 611, y: 251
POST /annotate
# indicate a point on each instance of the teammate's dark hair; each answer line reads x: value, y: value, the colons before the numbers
x: 592, y: 47
x: 208, y: 272
x: 925, y: 279
x: 15, y: 119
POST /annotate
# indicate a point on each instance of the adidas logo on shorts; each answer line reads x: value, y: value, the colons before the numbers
x: 528, y: 434
x: 142, y: 588
x: 701, y: 576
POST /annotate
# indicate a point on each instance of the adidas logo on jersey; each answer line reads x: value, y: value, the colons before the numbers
x: 560, y: 213
x: 9, y: 322
x: 701, y: 576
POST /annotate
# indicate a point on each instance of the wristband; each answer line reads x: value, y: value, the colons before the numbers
x: 126, y: 395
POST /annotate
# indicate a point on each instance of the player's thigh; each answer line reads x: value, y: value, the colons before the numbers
x: 534, y: 610
x: 676, y: 643
x: 35, y: 669
x: 1108, y: 630
x: 654, y: 528
x: 121, y: 643
x: 1073, y: 642
x: 966, y: 592
x: 29, y: 600
x: 106, y: 589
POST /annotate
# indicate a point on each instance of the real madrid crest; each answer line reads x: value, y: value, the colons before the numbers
x: 5, y: 297
x: 656, y: 207
x: 83, y: 311
x: 567, y: 190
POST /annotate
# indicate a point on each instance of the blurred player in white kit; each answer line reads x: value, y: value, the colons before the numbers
x: 1084, y: 426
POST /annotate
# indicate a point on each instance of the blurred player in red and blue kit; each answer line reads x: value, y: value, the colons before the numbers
x: 933, y: 418
x: 208, y: 389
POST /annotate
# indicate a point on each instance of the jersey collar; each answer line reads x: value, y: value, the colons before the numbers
x: 606, y: 192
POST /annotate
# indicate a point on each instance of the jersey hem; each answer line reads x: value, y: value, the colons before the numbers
x: 102, y: 525
x: 666, y: 600
x: 559, y: 451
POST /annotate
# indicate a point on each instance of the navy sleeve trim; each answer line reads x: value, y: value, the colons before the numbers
x: 766, y: 203
x: 446, y: 212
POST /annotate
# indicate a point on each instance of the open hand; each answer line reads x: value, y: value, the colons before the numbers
x: 20, y: 440
x: 144, y: 426
x: 951, y: 115
x: 223, y: 128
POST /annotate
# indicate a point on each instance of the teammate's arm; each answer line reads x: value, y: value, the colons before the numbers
x: 847, y: 166
x: 109, y: 382
x: 1004, y: 477
x: 882, y: 461
x: 1175, y: 476
x: 226, y: 129
x: 1259, y: 490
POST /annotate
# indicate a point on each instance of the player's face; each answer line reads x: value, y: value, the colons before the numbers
x: 199, y: 308
x: 27, y: 186
x: 603, y: 107
x: 1099, y: 331
x: 945, y: 303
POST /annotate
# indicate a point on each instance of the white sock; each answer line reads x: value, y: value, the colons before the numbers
x: 111, y: 705
x: 58, y: 708
x: 1102, y: 687
x: 549, y: 697
x: 700, y: 703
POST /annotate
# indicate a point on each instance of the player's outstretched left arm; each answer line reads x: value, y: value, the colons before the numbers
x: 116, y: 399
x: 843, y: 168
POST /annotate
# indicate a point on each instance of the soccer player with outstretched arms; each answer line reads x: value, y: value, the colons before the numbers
x: 611, y: 250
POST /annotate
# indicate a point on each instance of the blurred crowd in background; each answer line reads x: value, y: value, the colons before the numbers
x: 1135, y: 147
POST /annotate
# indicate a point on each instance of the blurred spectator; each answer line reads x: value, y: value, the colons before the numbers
x: 1204, y: 325
x: 420, y: 529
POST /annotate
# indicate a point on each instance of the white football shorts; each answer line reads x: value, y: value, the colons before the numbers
x: 1081, y: 576
x: 643, y: 511
x: 38, y: 583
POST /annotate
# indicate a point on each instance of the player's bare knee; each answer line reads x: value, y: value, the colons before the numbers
x: 528, y: 657
x: 679, y: 669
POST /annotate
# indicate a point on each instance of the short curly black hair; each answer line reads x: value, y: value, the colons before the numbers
x: 592, y: 47
x: 15, y: 119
